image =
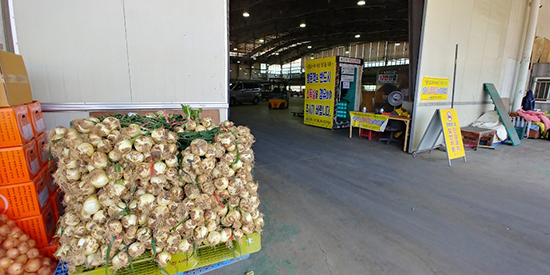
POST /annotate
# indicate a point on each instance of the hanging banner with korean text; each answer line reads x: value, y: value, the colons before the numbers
x: 319, y: 97
x: 434, y: 88
x: 369, y: 121
x: 452, y: 134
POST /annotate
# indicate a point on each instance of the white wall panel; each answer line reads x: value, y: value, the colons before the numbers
x: 74, y: 51
x: 543, y: 26
x: 125, y: 50
x: 178, y: 50
x: 487, y: 34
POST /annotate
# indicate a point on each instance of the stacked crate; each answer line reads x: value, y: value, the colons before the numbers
x: 27, y: 192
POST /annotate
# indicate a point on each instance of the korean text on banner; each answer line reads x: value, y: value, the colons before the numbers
x: 434, y: 88
x: 319, y: 101
x: 369, y: 121
x: 451, y: 131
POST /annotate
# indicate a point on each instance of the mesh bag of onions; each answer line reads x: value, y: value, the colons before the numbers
x: 160, y: 183
x: 18, y: 252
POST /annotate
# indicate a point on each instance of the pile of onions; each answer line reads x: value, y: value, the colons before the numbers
x: 159, y: 183
x: 18, y: 252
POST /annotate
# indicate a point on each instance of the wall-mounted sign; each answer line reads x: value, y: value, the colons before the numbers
x: 349, y: 78
x: 387, y: 76
x: 350, y: 60
x: 434, y: 88
x: 348, y: 70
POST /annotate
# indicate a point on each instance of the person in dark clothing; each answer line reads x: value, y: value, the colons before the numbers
x: 528, y: 102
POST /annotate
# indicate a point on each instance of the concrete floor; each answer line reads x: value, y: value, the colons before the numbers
x: 336, y: 205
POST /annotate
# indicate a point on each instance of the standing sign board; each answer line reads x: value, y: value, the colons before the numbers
x: 319, y: 101
x: 444, y: 121
x: 434, y: 88
x: 369, y: 121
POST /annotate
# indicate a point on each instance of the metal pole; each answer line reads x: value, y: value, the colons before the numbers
x: 526, y: 56
x: 454, y: 77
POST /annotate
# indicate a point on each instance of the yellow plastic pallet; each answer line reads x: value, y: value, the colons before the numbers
x: 205, y: 256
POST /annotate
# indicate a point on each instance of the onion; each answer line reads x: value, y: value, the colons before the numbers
x: 12, y: 253
x: 23, y: 247
x: 123, y: 146
x: 44, y: 271
x: 184, y: 246
x: 6, y: 262
x: 99, y: 160
x: 129, y: 220
x: 85, y: 149
x: 33, y: 265
x: 33, y: 253
x: 133, y: 130
x: 158, y: 135
x: 112, y: 123
x: 214, y: 238
x: 101, y: 130
x: 91, y: 205
x: 47, y: 261
x: 143, y: 144
x: 115, y: 156
x: 32, y: 243
x: 4, y: 230
x: 225, y: 235
x: 21, y: 259
x: 15, y: 268
x: 163, y: 258
x: 136, y: 249
x: 200, y: 232
x: 98, y: 178
x: 134, y: 157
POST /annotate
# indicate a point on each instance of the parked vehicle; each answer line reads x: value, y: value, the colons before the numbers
x: 244, y: 92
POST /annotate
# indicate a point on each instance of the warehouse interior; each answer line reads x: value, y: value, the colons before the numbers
x: 274, y: 137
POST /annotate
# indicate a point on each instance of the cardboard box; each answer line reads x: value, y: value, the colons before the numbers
x: 41, y: 228
x: 42, y: 143
x: 15, y: 126
x: 19, y: 164
x: 15, y: 89
x: 37, y: 120
x: 57, y: 202
x: 27, y: 199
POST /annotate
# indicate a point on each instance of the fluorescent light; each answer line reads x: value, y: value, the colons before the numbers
x: 246, y: 14
x: 361, y: 3
x: 357, y: 35
x: 276, y: 53
x: 302, y: 25
x: 235, y: 49
x: 309, y: 47
x: 261, y: 40
x: 397, y: 44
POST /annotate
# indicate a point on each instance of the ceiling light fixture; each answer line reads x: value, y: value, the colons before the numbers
x: 361, y: 3
x: 347, y: 52
x: 235, y: 49
x: 302, y: 25
x: 309, y: 47
x: 397, y: 44
x: 238, y: 61
x: 357, y: 35
x: 276, y: 53
x: 246, y: 14
x: 261, y: 40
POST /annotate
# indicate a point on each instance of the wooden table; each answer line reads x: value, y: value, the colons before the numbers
x: 472, y: 136
x: 407, y: 121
